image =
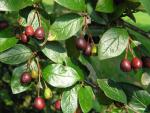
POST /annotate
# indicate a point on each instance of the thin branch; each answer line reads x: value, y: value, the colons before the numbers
x: 142, y: 32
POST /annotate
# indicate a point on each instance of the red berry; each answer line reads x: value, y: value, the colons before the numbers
x: 88, y: 50
x: 29, y: 31
x: 24, y: 38
x: 3, y: 24
x: 58, y: 105
x: 39, y: 33
x: 125, y: 65
x: 39, y: 103
x: 146, y: 61
x: 25, y: 78
x: 136, y: 63
x: 81, y: 43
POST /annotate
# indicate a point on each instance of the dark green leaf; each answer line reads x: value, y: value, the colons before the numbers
x: 69, y: 102
x: 65, y: 26
x: 76, y: 5
x: 113, y: 43
x: 15, y: 5
x: 60, y: 76
x: 86, y: 98
x: 55, y: 52
x: 16, y: 55
x: 140, y: 101
x: 105, y: 6
x: 48, y: 5
x: 7, y: 40
x: 112, y: 90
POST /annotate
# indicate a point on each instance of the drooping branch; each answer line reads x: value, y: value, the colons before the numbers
x: 142, y: 32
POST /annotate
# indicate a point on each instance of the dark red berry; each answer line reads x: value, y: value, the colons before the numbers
x: 24, y: 38
x: 136, y: 63
x: 39, y: 33
x: 25, y: 78
x: 58, y: 105
x: 3, y: 24
x: 88, y: 50
x: 39, y: 103
x: 81, y: 43
x: 146, y: 61
x: 29, y: 31
x: 125, y: 65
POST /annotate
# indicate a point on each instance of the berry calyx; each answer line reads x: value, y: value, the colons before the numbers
x: 146, y: 61
x: 81, y: 43
x: 48, y: 93
x: 39, y: 33
x: 24, y: 38
x: 29, y: 31
x: 3, y: 24
x: 39, y: 103
x: 88, y: 50
x: 34, y: 74
x: 136, y: 63
x: 58, y: 105
x: 25, y: 78
x: 125, y: 65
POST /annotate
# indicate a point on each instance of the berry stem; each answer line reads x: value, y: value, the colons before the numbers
x: 39, y: 19
x: 33, y: 18
x: 131, y: 50
x: 45, y: 84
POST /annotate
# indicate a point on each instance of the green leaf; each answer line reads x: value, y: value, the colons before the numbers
x: 16, y: 86
x: 16, y: 55
x: 113, y: 43
x: 60, y: 76
x: 15, y: 5
x: 7, y: 40
x: 105, y: 6
x: 86, y: 98
x: 112, y: 90
x: 146, y: 4
x: 55, y: 52
x: 76, y: 5
x: 69, y: 102
x: 48, y: 5
x: 65, y: 26
x: 140, y: 101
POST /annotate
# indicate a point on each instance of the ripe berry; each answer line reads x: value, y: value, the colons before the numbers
x: 47, y: 93
x: 24, y: 38
x: 34, y: 74
x: 58, y: 105
x: 3, y: 24
x: 88, y: 50
x: 39, y: 33
x: 39, y: 103
x: 136, y: 63
x: 146, y: 61
x: 81, y: 43
x: 25, y: 78
x: 29, y: 31
x: 125, y: 65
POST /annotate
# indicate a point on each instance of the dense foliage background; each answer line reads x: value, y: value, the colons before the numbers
x: 88, y: 83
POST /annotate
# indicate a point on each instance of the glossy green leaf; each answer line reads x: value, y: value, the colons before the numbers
x: 15, y: 5
x: 86, y: 98
x: 113, y: 43
x: 55, y: 52
x: 60, y: 76
x: 16, y: 55
x: 140, y: 101
x: 65, y: 26
x: 105, y: 6
x: 112, y: 90
x: 69, y: 101
x: 146, y: 4
x: 48, y: 5
x: 7, y: 40
x: 76, y: 5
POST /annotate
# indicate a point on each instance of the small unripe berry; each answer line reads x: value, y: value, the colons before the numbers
x: 48, y: 93
x: 34, y: 74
